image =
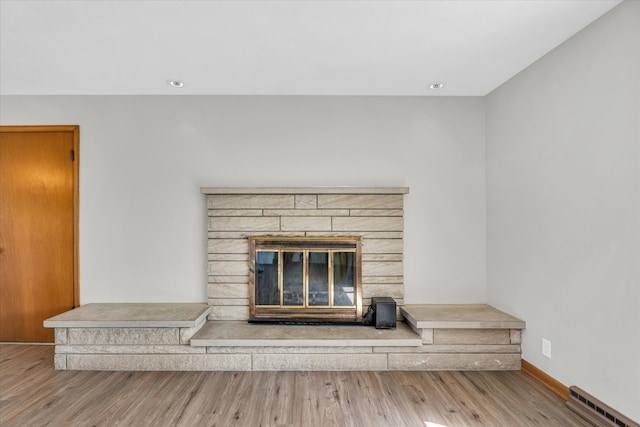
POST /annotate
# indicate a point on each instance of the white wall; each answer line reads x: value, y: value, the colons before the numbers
x: 563, y: 207
x: 562, y: 196
x: 144, y: 159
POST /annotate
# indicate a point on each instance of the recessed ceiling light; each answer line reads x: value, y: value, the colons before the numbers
x: 175, y: 83
x: 436, y: 85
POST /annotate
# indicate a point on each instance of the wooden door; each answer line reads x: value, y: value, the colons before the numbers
x: 38, y: 228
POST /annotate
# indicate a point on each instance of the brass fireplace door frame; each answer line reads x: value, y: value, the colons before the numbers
x: 305, y: 245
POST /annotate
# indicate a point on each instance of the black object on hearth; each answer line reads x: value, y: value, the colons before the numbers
x: 381, y: 313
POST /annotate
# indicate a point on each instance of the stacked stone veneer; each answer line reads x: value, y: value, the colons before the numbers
x: 234, y: 214
x: 176, y: 337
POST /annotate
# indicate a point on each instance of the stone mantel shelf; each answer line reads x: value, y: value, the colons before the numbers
x: 304, y: 190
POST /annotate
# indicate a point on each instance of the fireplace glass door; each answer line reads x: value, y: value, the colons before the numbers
x: 305, y: 279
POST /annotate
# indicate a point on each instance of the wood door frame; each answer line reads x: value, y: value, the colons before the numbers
x: 75, y: 129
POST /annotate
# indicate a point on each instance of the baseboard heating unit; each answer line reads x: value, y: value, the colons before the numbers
x: 596, y: 412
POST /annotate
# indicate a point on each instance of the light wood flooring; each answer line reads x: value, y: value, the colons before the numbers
x: 32, y: 393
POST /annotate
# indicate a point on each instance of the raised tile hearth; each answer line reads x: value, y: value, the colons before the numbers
x: 177, y: 337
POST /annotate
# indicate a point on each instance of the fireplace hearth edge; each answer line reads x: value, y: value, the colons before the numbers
x: 381, y: 314
x: 336, y: 322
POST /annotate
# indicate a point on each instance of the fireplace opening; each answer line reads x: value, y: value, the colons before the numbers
x: 313, y: 279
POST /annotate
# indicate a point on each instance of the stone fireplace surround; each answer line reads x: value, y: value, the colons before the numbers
x: 375, y: 214
x: 216, y: 335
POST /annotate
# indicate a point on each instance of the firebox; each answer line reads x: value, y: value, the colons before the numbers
x: 298, y: 278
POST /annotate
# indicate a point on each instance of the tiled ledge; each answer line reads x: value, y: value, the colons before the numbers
x: 132, y: 315
x: 108, y: 336
x: 463, y: 324
x: 304, y: 190
x: 459, y: 316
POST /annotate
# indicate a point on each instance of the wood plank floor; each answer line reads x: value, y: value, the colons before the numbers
x: 32, y: 393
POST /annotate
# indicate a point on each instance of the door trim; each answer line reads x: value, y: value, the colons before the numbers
x: 75, y: 129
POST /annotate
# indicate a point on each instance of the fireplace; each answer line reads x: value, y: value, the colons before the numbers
x: 297, y: 278
x: 342, y: 236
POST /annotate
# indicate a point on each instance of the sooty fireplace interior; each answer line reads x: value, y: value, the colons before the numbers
x: 305, y: 278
